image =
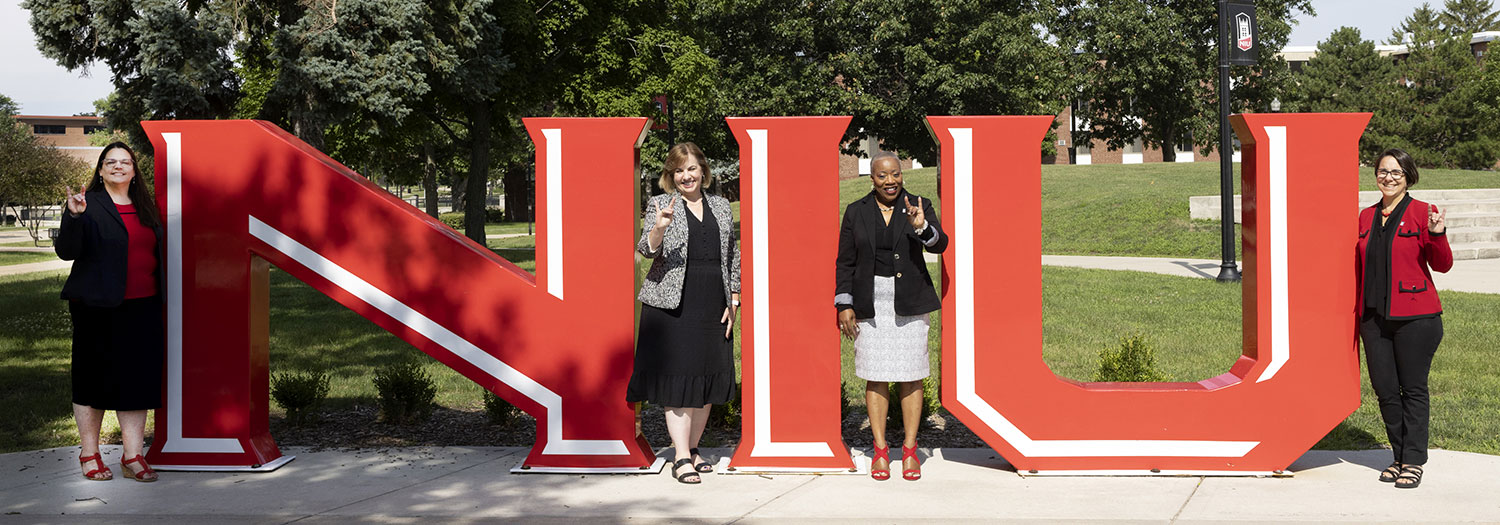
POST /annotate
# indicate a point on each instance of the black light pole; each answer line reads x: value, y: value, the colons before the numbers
x: 1228, y: 271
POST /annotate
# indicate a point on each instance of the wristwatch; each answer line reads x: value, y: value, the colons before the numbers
x: 734, y: 302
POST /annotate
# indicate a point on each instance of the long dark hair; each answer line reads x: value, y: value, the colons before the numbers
x: 145, y: 206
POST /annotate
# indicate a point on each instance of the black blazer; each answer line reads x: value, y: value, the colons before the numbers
x: 98, y: 245
x: 855, y: 268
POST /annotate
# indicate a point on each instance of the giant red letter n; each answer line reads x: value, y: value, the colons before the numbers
x: 238, y: 195
x: 1297, y: 378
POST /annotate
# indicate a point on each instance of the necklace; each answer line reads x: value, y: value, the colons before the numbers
x: 884, y: 207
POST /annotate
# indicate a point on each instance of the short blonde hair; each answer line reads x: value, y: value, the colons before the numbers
x: 675, y: 158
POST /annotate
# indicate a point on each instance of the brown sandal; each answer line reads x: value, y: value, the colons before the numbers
x: 99, y: 474
x: 144, y: 475
x: 1389, y: 474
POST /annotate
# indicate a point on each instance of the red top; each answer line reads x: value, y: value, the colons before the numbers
x: 1413, y: 251
x: 140, y: 261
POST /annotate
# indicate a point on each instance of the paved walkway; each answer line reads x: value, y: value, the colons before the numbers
x: 1475, y: 275
x: 473, y: 484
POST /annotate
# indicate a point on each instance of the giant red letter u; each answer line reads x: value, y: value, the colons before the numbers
x: 1298, y: 376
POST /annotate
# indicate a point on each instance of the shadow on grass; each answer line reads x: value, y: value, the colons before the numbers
x: 1347, y: 437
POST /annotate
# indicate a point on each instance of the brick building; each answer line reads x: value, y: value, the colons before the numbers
x: 69, y: 134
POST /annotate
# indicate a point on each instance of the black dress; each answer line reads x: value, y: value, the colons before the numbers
x: 682, y: 358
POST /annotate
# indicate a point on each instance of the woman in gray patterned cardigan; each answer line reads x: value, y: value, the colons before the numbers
x: 684, y: 358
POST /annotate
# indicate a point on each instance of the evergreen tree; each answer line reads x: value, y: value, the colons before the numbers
x: 1466, y: 17
x: 167, y: 59
x: 1422, y: 27
x: 1346, y: 75
x: 1434, y: 112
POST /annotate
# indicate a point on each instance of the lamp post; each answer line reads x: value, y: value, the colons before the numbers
x: 1236, y: 18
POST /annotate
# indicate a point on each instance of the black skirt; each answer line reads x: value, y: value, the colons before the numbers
x: 682, y: 358
x: 117, y: 354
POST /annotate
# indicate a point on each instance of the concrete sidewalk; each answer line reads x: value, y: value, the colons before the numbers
x: 473, y: 485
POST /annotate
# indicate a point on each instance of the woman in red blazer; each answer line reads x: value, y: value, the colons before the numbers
x: 1401, y: 324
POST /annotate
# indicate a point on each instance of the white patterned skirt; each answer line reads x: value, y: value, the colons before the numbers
x: 890, y: 347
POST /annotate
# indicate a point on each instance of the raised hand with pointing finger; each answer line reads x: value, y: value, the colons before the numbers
x: 77, y: 204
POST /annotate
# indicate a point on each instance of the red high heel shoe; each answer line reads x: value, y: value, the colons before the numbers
x: 144, y: 475
x: 910, y: 474
x: 99, y: 474
x: 885, y: 454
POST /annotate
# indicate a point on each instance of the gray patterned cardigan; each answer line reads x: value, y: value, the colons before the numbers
x: 662, y: 287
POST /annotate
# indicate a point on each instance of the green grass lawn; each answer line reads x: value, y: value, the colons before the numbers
x: 495, y: 228
x: 9, y: 258
x: 1084, y: 312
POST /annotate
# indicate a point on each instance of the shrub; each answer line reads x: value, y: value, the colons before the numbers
x: 494, y: 215
x: 727, y: 415
x: 300, y: 394
x: 1133, y: 362
x: 454, y: 220
x: 931, y: 401
x: 405, y: 391
x: 846, y: 404
x: 499, y: 410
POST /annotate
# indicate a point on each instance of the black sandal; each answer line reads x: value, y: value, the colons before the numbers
x: 683, y: 477
x: 1389, y: 474
x: 705, y: 466
x: 1411, y: 476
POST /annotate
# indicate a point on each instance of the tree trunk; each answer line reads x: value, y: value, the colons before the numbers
x: 479, y: 168
x: 429, y: 180
x: 1169, y: 144
x: 517, y: 193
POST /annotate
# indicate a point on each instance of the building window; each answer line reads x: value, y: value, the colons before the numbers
x: 90, y: 129
x: 49, y: 129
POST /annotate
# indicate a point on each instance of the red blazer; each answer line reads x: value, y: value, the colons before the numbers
x: 1413, y: 251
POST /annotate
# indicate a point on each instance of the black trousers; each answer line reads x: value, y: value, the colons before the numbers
x: 1398, y: 355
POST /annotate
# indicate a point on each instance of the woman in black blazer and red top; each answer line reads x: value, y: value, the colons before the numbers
x: 883, y: 294
x: 112, y: 233
x: 1401, y: 322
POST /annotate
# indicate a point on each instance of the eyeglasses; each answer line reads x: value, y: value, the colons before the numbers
x: 1390, y: 174
x: 113, y: 162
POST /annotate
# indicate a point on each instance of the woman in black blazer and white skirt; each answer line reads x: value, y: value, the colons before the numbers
x: 884, y: 294
x: 113, y: 236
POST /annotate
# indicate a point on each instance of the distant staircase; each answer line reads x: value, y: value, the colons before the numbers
x: 1473, y: 217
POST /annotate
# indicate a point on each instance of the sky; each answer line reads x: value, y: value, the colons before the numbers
x: 44, y: 88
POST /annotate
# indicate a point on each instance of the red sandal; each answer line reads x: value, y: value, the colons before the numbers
x: 98, y: 474
x: 910, y: 474
x: 885, y: 454
x: 144, y: 475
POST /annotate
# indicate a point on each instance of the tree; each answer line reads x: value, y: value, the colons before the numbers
x: 1466, y: 17
x: 1148, y: 70
x: 1346, y: 75
x: 8, y: 107
x: 913, y: 58
x: 32, y: 175
x: 1438, y: 110
x: 168, y: 60
x: 1422, y: 26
